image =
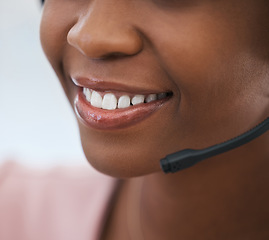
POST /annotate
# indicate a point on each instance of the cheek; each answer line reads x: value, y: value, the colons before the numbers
x: 53, y: 31
x: 210, y: 58
x: 194, y: 54
x: 49, y: 38
x: 54, y: 28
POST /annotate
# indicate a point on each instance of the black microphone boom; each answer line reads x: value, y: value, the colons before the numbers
x: 188, y: 157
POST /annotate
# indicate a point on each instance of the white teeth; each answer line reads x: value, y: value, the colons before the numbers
x: 151, y: 97
x: 87, y: 92
x: 124, y: 101
x: 84, y: 91
x: 138, y: 99
x: 109, y: 102
x: 96, y: 99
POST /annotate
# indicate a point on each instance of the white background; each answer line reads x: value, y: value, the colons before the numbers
x: 37, y: 125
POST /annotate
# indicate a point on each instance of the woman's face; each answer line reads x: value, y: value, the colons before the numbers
x: 206, y: 62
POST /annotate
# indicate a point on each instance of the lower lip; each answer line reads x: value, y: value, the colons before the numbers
x: 114, y: 119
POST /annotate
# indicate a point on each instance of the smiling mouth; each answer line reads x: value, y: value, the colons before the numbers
x: 107, y: 105
x: 115, y: 110
x: 112, y: 101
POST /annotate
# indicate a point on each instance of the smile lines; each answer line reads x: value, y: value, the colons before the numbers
x: 109, y: 101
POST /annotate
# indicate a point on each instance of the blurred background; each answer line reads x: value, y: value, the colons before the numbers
x: 37, y: 126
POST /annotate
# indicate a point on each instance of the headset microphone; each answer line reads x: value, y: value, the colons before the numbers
x: 188, y: 157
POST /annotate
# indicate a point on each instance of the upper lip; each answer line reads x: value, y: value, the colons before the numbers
x: 101, y: 85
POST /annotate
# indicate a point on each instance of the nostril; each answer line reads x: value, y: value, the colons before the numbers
x: 114, y: 56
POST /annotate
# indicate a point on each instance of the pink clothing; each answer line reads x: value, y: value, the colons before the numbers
x: 62, y: 203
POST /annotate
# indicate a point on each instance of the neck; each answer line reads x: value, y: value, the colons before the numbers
x: 224, y: 197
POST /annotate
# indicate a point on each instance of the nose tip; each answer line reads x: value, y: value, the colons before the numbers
x: 104, y: 38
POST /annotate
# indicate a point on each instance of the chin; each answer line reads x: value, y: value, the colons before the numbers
x: 123, y: 162
x: 121, y: 165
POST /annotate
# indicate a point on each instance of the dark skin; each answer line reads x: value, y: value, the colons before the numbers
x: 214, y: 57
